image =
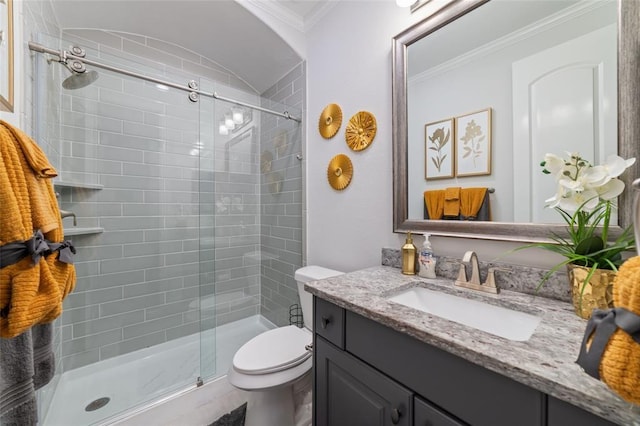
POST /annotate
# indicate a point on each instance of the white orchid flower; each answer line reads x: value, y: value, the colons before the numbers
x: 571, y: 184
x: 553, y: 201
x: 594, y: 177
x: 616, y: 165
x: 561, y: 192
x: 553, y: 164
x: 582, y: 186
x: 586, y: 200
x: 611, y: 189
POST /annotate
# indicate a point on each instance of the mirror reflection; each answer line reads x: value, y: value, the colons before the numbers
x: 488, y: 94
x: 543, y: 119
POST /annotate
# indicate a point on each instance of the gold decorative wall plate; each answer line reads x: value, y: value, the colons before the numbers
x: 274, y: 182
x: 330, y: 121
x: 339, y: 172
x: 360, y: 131
x: 266, y: 158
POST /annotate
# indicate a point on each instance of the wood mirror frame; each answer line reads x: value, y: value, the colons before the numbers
x: 628, y: 130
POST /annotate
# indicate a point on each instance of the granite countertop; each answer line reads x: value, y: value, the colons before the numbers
x: 545, y: 362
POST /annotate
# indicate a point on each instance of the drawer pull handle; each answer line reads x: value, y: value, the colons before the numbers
x: 395, y: 416
x: 325, y: 321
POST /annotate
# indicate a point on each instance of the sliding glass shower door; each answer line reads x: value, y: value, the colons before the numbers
x: 189, y: 227
x: 128, y: 153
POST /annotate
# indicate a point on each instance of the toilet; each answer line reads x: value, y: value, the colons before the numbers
x: 270, y: 364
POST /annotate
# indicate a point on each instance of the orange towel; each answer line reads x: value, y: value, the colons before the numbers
x: 452, y: 201
x: 434, y: 200
x: 33, y: 293
x: 471, y: 200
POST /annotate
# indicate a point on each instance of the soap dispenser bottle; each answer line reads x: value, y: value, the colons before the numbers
x: 426, y: 259
x: 409, y: 258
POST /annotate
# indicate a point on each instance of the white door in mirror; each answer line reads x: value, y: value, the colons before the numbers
x: 563, y: 101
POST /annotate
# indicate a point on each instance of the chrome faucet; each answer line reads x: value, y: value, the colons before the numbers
x: 65, y: 213
x: 470, y: 257
x: 474, y: 283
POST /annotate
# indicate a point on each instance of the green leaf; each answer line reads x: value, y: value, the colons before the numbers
x: 589, y: 245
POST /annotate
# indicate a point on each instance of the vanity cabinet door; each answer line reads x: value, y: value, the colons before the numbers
x: 560, y: 413
x: 426, y: 414
x: 350, y: 393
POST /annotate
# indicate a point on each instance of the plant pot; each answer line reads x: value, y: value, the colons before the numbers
x: 595, y: 294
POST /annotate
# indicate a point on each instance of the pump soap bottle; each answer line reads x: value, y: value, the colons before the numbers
x: 409, y: 256
x: 426, y: 259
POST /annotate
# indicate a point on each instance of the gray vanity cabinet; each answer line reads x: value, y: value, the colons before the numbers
x: 368, y: 374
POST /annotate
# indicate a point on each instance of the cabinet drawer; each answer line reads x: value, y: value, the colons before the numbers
x: 474, y: 394
x: 328, y: 321
x: 426, y: 414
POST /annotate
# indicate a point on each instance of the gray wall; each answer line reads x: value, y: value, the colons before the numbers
x: 282, y: 220
x: 138, y: 281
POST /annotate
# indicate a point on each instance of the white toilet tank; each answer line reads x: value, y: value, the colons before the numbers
x: 306, y: 274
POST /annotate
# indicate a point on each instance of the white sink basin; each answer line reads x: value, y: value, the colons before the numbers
x: 503, y: 322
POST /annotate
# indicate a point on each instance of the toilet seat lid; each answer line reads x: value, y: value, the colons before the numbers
x: 273, y: 350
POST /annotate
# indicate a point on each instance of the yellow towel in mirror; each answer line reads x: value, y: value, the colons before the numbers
x: 434, y: 200
x: 470, y: 201
x: 452, y: 201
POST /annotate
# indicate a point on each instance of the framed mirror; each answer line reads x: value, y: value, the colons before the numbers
x: 474, y: 59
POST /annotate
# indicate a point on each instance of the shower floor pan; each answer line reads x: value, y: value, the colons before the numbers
x: 143, y: 376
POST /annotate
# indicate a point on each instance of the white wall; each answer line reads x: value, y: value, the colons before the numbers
x: 349, y: 63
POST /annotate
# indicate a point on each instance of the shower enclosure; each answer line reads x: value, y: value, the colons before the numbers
x: 189, y: 223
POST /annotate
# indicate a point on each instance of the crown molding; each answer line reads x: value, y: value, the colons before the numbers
x: 524, y: 33
x: 318, y: 13
x: 285, y: 15
x: 279, y: 12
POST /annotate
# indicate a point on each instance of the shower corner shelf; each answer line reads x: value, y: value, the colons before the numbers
x: 64, y: 184
x: 72, y: 231
x: 69, y: 232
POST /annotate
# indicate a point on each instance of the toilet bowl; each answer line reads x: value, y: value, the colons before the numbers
x: 271, y: 364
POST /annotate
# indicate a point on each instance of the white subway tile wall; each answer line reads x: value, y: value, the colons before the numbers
x: 281, y: 216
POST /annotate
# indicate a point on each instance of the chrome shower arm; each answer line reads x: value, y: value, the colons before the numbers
x: 61, y: 54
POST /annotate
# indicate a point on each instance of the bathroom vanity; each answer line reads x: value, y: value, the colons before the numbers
x: 377, y: 362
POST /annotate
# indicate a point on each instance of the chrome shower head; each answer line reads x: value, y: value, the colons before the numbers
x: 79, y: 80
x: 79, y: 77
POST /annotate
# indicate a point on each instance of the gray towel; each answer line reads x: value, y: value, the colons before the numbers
x: 26, y: 364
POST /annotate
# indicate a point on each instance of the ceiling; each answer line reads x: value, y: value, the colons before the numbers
x: 221, y: 30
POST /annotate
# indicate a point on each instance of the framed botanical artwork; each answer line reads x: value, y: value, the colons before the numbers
x: 473, y: 143
x: 6, y: 55
x: 439, y: 150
